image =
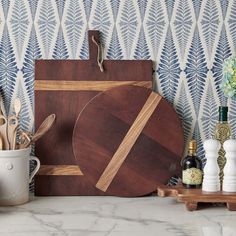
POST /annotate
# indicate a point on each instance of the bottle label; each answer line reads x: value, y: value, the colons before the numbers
x: 192, y: 176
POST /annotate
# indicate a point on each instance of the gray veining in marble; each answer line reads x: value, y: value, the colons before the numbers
x: 113, y: 216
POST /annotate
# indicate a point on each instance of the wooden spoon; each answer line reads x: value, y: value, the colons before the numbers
x: 43, y: 128
x: 17, y: 107
x: 13, y: 122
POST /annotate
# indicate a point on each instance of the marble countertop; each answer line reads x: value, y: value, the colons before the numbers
x: 113, y: 216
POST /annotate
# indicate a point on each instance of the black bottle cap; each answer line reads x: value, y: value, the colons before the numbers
x: 223, y: 116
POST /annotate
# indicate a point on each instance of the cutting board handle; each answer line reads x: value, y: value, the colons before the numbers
x: 93, y: 50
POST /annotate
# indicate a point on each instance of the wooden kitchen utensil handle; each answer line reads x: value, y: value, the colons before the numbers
x: 11, y: 131
x: 3, y: 132
x: 17, y: 107
x: 128, y: 141
x: 44, y: 127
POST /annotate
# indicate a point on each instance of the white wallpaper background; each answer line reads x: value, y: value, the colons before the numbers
x: 187, y: 40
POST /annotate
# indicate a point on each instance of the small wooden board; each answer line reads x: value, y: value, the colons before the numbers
x: 127, y: 140
x: 191, y: 197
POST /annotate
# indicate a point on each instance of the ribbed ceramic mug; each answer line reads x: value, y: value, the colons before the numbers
x: 15, y: 176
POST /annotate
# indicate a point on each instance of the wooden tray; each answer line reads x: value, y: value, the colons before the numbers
x: 128, y: 140
x: 191, y: 197
x: 64, y: 87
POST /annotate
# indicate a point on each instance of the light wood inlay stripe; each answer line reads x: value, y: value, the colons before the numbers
x: 50, y: 85
x: 128, y: 141
x: 59, y: 170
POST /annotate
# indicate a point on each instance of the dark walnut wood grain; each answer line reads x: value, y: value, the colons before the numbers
x: 101, y: 128
x: 68, y: 185
x: 64, y: 87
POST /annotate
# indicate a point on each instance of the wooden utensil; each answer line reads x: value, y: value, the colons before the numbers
x: 69, y: 85
x: 128, y: 140
x: 43, y: 129
x: 17, y: 107
x: 24, y: 139
x: 1, y: 110
x: 13, y: 123
x: 3, y: 132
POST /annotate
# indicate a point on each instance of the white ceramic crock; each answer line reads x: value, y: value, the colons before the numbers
x: 15, y: 177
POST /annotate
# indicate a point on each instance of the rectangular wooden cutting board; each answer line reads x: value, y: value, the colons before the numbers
x: 64, y: 87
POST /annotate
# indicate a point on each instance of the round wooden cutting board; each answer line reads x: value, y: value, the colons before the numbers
x: 128, y: 140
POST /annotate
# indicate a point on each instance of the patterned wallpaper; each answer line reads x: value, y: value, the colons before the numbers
x: 187, y: 39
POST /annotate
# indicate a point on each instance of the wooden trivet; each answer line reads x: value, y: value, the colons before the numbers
x: 191, y: 197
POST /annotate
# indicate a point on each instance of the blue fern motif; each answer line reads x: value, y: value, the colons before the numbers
x: 115, y: 4
x: 32, y: 52
x: 141, y: 51
x: 210, y: 113
x: 232, y: 23
x: 170, y: 6
x: 223, y: 51
x: 87, y: 7
x: 197, y: 7
x: 20, y: 23
x: 47, y: 24
x: 224, y: 5
x: 25, y: 120
x: 74, y: 23
x: 60, y: 50
x: 200, y: 149
x: 183, y: 23
x: 174, y: 180
x: 5, y: 5
x: 196, y: 70
x: 155, y: 25
x: 232, y: 115
x: 84, y: 54
x: 33, y: 6
x: 60, y: 7
x: 184, y: 111
x: 8, y: 70
x: 169, y: 69
x: 210, y: 24
x: 128, y: 25
x: 142, y: 4
x: 114, y: 50
x: 101, y: 19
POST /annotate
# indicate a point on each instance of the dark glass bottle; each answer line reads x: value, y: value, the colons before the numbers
x: 192, y: 168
